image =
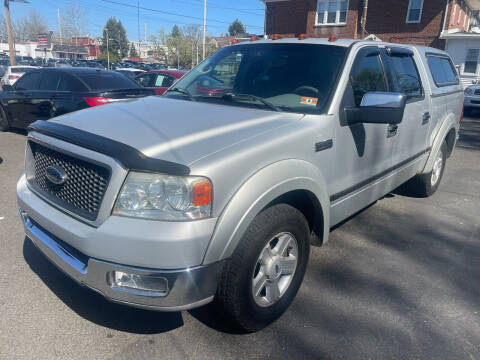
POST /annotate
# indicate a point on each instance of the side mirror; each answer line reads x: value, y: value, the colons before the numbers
x: 6, y: 87
x: 378, y: 108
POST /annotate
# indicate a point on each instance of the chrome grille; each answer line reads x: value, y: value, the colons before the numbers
x: 82, y: 192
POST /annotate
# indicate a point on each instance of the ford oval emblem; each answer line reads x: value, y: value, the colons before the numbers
x: 56, y: 175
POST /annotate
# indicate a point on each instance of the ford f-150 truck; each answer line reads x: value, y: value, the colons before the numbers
x: 169, y: 203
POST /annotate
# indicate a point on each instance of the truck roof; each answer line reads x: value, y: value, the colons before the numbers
x: 343, y: 43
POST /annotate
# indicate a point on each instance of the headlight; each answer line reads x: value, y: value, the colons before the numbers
x: 164, y: 197
x: 469, y: 91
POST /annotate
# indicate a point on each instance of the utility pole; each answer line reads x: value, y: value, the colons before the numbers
x: 59, y: 25
x: 11, y: 46
x: 364, y: 18
x: 108, y: 51
x: 204, y: 25
x: 138, y: 23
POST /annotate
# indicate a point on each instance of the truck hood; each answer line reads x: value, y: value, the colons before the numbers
x: 175, y: 130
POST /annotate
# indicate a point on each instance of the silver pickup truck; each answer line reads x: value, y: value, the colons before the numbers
x: 216, y: 190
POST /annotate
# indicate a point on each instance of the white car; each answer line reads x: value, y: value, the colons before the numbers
x: 13, y: 73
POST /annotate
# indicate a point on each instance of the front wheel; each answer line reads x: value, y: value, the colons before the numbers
x: 263, y: 275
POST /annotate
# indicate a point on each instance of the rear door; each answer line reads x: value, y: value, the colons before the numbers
x: 402, y: 67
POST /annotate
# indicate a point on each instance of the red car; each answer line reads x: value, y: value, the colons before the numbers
x: 159, y: 80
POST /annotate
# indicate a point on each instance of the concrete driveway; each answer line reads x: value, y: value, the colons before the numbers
x: 401, y: 280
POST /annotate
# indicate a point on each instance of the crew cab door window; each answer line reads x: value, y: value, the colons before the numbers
x: 404, y: 76
x: 367, y: 75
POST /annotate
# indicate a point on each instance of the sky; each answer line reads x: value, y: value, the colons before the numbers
x: 167, y: 13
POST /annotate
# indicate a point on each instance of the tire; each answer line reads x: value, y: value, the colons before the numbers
x: 425, y: 185
x: 235, y: 295
x: 4, y: 123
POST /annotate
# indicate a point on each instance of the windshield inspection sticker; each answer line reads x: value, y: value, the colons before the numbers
x: 309, y: 101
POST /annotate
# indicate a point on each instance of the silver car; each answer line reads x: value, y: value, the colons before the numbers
x: 216, y: 190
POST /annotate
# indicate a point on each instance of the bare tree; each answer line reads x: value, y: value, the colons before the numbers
x: 3, y: 29
x: 73, y: 22
x: 28, y: 27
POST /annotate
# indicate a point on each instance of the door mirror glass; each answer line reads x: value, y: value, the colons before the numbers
x: 379, y: 108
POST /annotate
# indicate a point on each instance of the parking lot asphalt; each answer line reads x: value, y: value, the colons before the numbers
x: 400, y: 280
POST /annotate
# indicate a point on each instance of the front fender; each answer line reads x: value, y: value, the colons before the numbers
x: 450, y: 122
x: 258, y: 191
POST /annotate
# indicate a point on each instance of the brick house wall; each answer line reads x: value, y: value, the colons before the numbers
x: 385, y: 18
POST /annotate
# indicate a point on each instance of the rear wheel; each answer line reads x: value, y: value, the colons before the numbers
x: 425, y: 185
x: 263, y: 275
x: 4, y: 123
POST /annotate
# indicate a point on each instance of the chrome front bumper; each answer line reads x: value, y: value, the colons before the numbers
x: 187, y: 288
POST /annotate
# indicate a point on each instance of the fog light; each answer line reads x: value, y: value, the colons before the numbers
x: 143, y: 283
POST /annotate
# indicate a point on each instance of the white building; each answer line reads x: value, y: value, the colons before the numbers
x: 26, y: 49
x: 464, y: 48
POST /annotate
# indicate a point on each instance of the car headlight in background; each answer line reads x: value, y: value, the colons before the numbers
x: 469, y: 91
x: 164, y: 197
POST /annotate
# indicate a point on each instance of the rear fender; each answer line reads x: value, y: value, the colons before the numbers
x: 450, y: 122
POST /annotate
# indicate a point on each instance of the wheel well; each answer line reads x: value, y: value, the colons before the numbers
x: 450, y: 140
x: 307, y: 203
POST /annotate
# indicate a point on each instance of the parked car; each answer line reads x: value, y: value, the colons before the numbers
x: 159, y: 80
x: 168, y: 203
x: 49, y: 92
x: 13, y: 73
x: 4, y: 64
x: 132, y: 73
x: 472, y: 98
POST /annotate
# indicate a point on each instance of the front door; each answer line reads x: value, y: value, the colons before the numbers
x: 363, y: 151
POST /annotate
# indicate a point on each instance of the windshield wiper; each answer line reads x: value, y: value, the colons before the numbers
x: 182, y: 91
x: 240, y: 97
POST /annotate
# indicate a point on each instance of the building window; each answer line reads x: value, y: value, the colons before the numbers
x: 414, y: 13
x: 471, y: 62
x: 332, y: 12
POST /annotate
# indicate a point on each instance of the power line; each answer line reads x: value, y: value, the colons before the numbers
x: 199, y: 3
x: 132, y: 15
x: 174, y: 14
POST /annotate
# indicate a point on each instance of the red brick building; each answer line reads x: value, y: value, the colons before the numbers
x: 92, y: 44
x: 418, y: 22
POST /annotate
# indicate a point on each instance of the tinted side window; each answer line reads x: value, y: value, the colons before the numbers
x: 159, y: 81
x: 69, y: 83
x: 146, y: 80
x: 168, y: 81
x: 367, y: 75
x: 442, y: 69
x: 49, y: 81
x: 406, y: 78
x: 28, y: 81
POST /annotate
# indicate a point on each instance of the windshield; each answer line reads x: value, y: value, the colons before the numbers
x: 292, y: 77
